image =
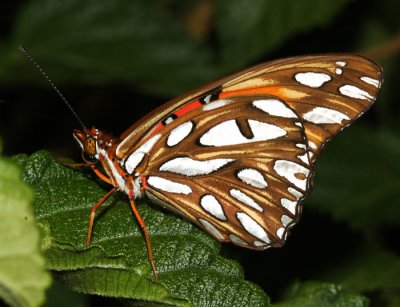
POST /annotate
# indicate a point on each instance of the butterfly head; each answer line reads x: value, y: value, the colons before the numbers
x: 90, y: 142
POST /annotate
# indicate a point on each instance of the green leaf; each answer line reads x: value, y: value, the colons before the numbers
x: 358, y: 178
x: 370, y: 271
x: 262, y: 25
x: 116, y: 263
x: 94, y: 41
x: 321, y: 294
x: 23, y: 278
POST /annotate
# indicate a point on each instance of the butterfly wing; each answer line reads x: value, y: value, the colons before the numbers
x: 237, y: 157
x: 327, y: 92
x: 223, y: 174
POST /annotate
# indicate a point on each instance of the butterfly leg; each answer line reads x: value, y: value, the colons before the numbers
x: 94, y: 168
x: 100, y: 174
x: 94, y: 208
x: 83, y: 164
x: 146, y: 235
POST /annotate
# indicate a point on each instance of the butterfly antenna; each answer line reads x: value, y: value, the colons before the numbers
x: 25, y: 52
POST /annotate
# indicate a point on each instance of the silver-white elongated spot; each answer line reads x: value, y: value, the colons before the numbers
x: 137, y: 156
x: 289, y: 169
x: 290, y: 205
x: 341, y: 63
x: 252, y: 177
x: 252, y: 227
x: 286, y: 220
x: 354, y: 92
x: 237, y: 240
x: 211, y: 229
x: 320, y: 115
x: 133, y: 161
x: 247, y: 200
x: 274, y: 107
x: 216, y: 104
x: 259, y: 243
x: 280, y: 232
x: 312, y: 79
x: 295, y: 193
x: 228, y: 133
x: 168, y: 185
x: 301, y: 145
x: 312, y: 145
x: 304, y: 158
x: 371, y: 81
x: 190, y: 167
x: 178, y: 134
x: 212, y: 206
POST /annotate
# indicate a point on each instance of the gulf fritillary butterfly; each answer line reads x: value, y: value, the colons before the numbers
x: 236, y: 157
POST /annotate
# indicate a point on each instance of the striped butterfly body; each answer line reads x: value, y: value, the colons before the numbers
x: 237, y: 157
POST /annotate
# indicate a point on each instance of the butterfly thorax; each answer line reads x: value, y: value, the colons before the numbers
x: 98, y: 147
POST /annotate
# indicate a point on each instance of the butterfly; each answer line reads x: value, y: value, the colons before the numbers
x: 237, y: 157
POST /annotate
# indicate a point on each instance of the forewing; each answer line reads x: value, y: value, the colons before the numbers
x: 328, y: 92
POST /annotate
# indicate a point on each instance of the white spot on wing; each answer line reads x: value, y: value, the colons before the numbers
x: 304, y: 158
x: 252, y: 227
x: 211, y: 229
x: 228, y: 133
x: 169, y: 120
x: 216, y: 104
x: 252, y: 177
x: 212, y: 206
x: 312, y: 79
x: 179, y: 133
x: 274, y: 107
x: 354, y: 92
x: 168, y: 185
x: 320, y: 115
x: 137, y: 156
x: 286, y: 220
x: 288, y: 169
x: 240, y: 196
x: 236, y: 239
x: 189, y: 167
x: 338, y: 71
x: 312, y: 145
x: 301, y: 145
x: 280, y: 232
x: 295, y: 193
x: 133, y: 161
x: 341, y: 63
x: 258, y: 243
x: 290, y: 205
x: 371, y: 81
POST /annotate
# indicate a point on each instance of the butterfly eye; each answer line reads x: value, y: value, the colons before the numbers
x: 89, y: 150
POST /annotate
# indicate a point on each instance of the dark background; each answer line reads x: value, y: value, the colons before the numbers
x: 117, y: 60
